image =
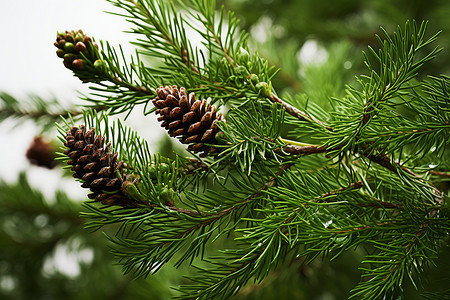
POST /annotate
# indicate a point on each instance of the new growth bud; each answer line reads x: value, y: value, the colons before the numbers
x: 69, y: 47
x: 78, y: 64
x: 167, y: 195
x: 253, y: 78
x: 69, y: 57
x: 130, y: 190
x: 79, y: 53
x: 80, y: 47
x: 243, y: 56
x: 60, y: 53
x: 100, y: 65
x: 264, y: 89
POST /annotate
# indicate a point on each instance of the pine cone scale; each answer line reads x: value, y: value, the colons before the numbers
x: 206, y: 118
x: 74, y: 154
x: 175, y: 124
x: 191, y: 139
x: 88, y: 176
x: 176, y: 113
x: 160, y: 104
x: 90, y: 166
x: 165, y: 111
x: 207, y: 136
x: 105, y: 171
x: 178, y: 132
x: 84, y: 158
x: 193, y: 128
x: 184, y: 104
x: 79, y: 145
x: 88, y: 148
x: 189, y: 117
x: 114, y: 183
x: 171, y: 101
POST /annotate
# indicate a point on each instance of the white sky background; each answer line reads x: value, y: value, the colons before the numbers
x: 30, y: 66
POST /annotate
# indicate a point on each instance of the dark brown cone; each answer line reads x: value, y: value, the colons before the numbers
x: 93, y: 163
x: 193, y: 121
x: 41, y: 153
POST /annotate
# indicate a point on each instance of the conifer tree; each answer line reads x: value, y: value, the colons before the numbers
x: 270, y: 177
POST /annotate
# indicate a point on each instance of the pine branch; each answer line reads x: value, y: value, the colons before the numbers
x: 295, y: 112
x: 405, y: 69
x: 213, y: 32
x: 275, y: 196
x: 397, y: 68
x: 153, y: 17
x: 41, y: 111
x: 225, y: 279
x: 113, y: 78
x: 443, y: 174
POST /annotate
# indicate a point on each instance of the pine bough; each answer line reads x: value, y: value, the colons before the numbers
x: 360, y: 176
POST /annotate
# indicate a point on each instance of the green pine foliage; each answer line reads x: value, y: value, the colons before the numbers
x: 297, y: 176
x: 42, y: 112
x: 42, y: 239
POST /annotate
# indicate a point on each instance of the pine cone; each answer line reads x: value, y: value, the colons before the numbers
x: 41, y: 153
x: 70, y: 44
x: 94, y: 164
x: 193, y: 121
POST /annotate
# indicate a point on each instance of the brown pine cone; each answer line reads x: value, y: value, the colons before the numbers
x: 41, y: 153
x: 193, y: 121
x: 96, y: 166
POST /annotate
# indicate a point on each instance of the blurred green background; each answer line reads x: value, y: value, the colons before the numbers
x: 317, y: 44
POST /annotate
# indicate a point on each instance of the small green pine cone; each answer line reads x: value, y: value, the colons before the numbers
x: 194, y: 122
x: 71, y: 44
x: 98, y: 168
